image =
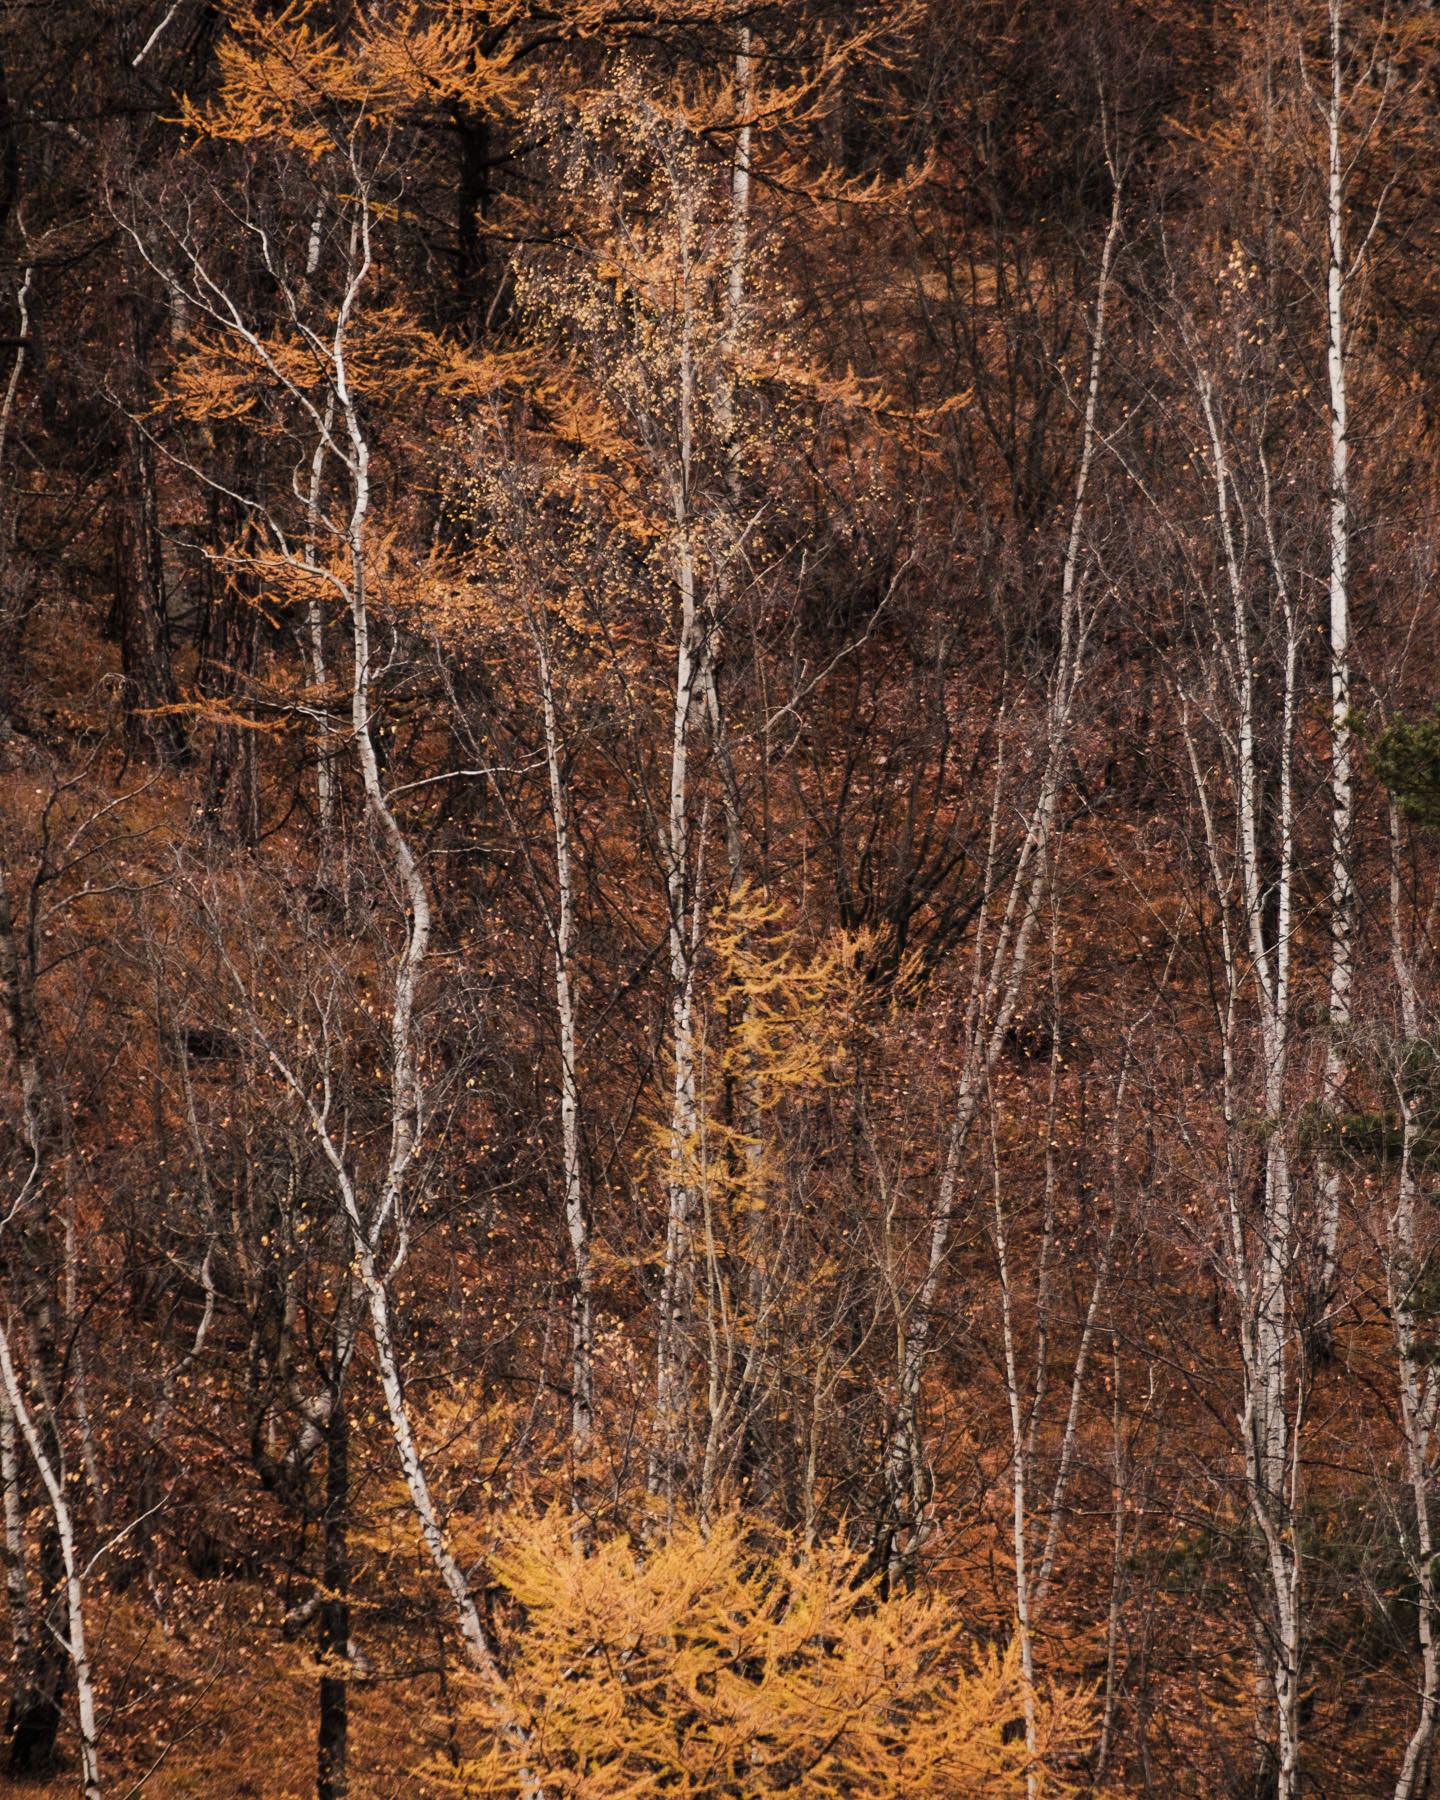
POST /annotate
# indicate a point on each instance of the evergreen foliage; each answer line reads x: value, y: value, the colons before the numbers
x: 1406, y: 758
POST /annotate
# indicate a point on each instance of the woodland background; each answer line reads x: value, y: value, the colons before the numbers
x: 718, y: 897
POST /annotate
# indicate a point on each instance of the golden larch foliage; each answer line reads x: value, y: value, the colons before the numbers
x: 710, y: 1665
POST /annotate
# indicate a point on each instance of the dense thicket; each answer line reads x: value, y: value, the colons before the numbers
x: 718, y: 897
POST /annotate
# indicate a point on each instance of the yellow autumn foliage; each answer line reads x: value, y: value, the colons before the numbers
x: 792, y: 1011
x: 712, y: 1666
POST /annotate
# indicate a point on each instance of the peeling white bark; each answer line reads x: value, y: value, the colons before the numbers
x: 1272, y: 1412
x: 17, y: 1585
x: 53, y: 1479
x: 692, y: 650
x: 1416, y: 1373
x: 582, y: 1309
x: 1342, y: 884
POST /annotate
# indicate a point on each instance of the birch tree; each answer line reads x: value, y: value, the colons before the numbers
x: 1398, y: 1044
x: 641, y: 300
x: 1013, y: 889
x: 1030, y: 1307
x: 314, y: 356
x: 76, y: 862
x: 517, y: 581
x: 31, y: 1431
x: 53, y: 1474
x: 1238, y: 713
x: 1358, y: 80
x: 1407, y: 1261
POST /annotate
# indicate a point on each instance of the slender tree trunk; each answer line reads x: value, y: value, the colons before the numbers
x: 143, y: 626
x: 325, y: 786
x: 1118, y: 1484
x: 332, y: 1775
x: 228, y: 654
x: 40, y: 1662
x: 1342, y: 889
x: 27, y: 1705
x: 681, y: 886
x: 52, y: 1474
x: 1419, y: 1392
x: 734, y: 1366
x: 1026, y: 1398
x: 582, y: 1308
x: 1270, y: 1436
x: 18, y: 592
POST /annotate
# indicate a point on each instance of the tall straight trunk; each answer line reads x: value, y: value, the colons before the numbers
x: 582, y: 1304
x: 1342, y: 888
x: 1026, y: 1390
x: 332, y: 1773
x: 142, y: 624
x: 1271, y: 1417
x: 40, y: 1664
x: 314, y: 637
x: 17, y: 594
x: 672, y: 1325
x: 1118, y: 1504
x: 229, y: 649
x: 734, y: 1367
x: 682, y: 896
x: 1419, y: 1391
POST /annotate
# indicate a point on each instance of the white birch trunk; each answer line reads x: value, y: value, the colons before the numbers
x: 406, y: 1088
x: 384, y: 1221
x: 734, y: 1366
x: 315, y: 622
x: 1342, y: 890
x: 17, y: 1585
x: 1415, y: 1373
x: 692, y: 652
x: 1019, y: 1466
x: 1270, y: 1438
x: 1118, y: 1485
x: 1025, y: 1397
x: 582, y: 1321
x: 54, y: 1482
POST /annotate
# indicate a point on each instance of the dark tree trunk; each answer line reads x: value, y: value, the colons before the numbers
x: 472, y: 203
x: 9, y: 153
x: 39, y: 1682
x: 332, y: 1778
x: 42, y: 1668
x: 139, y: 615
x: 17, y: 588
x: 18, y: 594
x: 229, y: 647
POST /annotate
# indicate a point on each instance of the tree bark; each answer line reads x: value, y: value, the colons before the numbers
x: 1342, y: 805
x: 228, y: 651
x: 40, y: 1662
x: 45, y: 1710
x: 332, y: 1775
x: 140, y: 618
